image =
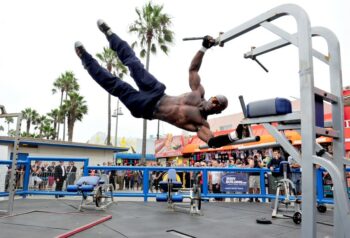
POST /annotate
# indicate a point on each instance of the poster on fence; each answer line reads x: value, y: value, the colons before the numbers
x: 234, y: 182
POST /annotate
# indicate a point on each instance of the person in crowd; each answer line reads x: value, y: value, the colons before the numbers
x: 128, y: 177
x: 71, y: 173
x: 36, y: 172
x: 120, y: 178
x: 215, y: 180
x: 20, y: 176
x: 111, y: 176
x: 51, y: 172
x: 60, y: 175
x: 254, y: 177
x: 273, y: 165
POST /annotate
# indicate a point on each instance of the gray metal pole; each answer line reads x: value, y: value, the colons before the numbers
x: 116, y: 124
x: 12, y: 182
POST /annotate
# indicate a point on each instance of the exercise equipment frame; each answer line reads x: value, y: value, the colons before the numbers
x: 335, y: 164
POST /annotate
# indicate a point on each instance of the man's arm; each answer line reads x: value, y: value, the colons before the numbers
x: 204, y: 133
x: 195, y: 80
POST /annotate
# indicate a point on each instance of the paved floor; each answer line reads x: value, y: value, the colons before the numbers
x: 51, y: 217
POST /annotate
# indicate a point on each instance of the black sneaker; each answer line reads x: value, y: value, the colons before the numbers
x: 104, y: 27
x: 79, y: 48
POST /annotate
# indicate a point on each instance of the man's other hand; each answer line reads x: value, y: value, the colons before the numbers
x: 208, y: 42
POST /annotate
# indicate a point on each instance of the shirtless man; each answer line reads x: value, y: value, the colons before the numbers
x: 188, y: 111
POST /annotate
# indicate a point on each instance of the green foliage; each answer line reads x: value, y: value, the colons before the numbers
x: 75, y: 108
x: 152, y: 29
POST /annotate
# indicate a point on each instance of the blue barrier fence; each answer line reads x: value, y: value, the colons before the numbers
x: 145, y: 194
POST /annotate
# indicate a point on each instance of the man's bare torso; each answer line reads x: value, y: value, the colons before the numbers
x: 184, y: 111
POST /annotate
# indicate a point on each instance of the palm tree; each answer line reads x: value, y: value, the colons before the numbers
x: 152, y: 28
x: 54, y: 115
x: 2, y: 128
x: 75, y: 108
x: 8, y: 121
x: 112, y: 61
x: 65, y: 83
x: 46, y: 129
x: 30, y: 115
x: 42, y: 122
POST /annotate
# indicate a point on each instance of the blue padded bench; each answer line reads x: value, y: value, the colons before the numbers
x: 269, y: 107
x: 85, y: 184
x: 163, y: 197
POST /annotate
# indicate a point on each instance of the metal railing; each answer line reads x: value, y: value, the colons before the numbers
x: 42, y: 184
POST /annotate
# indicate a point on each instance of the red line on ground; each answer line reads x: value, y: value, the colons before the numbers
x: 84, y: 227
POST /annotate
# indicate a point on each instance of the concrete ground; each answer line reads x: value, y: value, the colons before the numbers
x: 39, y: 217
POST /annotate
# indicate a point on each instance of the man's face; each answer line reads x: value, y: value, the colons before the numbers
x: 276, y: 155
x: 215, y: 107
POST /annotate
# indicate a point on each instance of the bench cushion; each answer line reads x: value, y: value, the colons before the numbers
x: 87, y: 188
x: 90, y: 180
x: 72, y: 188
x: 269, y: 107
x: 163, y: 197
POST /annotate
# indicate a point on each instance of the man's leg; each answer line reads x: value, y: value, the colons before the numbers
x: 144, y: 80
x: 112, y: 84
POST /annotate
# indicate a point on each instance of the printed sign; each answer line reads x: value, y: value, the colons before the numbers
x: 234, y: 182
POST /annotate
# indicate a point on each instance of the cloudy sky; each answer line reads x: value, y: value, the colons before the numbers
x: 37, y: 45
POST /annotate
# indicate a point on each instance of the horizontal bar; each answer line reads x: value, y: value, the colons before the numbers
x: 275, y: 45
x: 259, y: 146
x: 10, y: 115
x: 327, y: 132
x: 290, y: 117
x: 326, y: 95
x: 192, y: 38
x: 9, y: 162
x: 233, y: 169
x: 288, y: 127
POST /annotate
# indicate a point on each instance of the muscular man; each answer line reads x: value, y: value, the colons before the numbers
x: 188, y: 111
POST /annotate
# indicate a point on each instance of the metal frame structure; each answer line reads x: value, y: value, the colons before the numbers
x: 290, y: 197
x: 193, y: 194
x: 101, y: 198
x: 336, y: 163
x: 12, y: 181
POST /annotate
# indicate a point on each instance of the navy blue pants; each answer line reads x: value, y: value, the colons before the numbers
x: 140, y: 103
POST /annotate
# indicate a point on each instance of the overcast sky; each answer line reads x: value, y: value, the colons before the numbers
x: 37, y: 45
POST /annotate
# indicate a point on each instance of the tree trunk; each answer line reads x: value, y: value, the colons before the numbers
x: 64, y: 123
x: 70, y: 129
x: 58, y: 126
x: 108, y: 142
x: 144, y: 134
x: 54, y: 129
x: 109, y: 121
x: 28, y: 126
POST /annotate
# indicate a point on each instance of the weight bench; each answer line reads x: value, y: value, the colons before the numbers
x: 102, y: 193
x: 174, y: 195
x: 243, y: 133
